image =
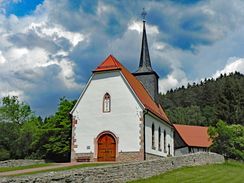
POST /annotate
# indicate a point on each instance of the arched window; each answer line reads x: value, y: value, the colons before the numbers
x: 159, y: 139
x: 153, y: 137
x: 165, y: 150
x: 106, y: 103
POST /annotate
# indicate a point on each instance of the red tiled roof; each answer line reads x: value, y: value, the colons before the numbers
x: 112, y: 63
x: 195, y: 136
x: 109, y: 63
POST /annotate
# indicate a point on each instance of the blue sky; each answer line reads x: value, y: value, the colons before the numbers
x: 21, y: 7
x: 49, y: 47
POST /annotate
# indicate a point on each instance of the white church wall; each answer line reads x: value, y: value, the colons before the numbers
x: 148, y: 136
x: 123, y: 120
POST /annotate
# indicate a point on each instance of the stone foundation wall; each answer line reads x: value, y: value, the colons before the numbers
x: 153, y: 156
x: 121, y: 172
x: 122, y: 157
x: 130, y: 156
x: 20, y: 162
x: 84, y: 157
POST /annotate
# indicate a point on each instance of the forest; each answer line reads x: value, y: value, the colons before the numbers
x: 26, y: 136
x: 207, y: 102
x: 218, y: 103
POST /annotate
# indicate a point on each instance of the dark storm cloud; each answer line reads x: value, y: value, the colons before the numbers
x: 30, y: 40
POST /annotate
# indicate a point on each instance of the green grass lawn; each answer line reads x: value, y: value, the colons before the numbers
x: 7, y: 169
x: 219, y: 173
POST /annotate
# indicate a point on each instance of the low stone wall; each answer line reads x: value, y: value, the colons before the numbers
x: 20, y: 162
x: 121, y: 172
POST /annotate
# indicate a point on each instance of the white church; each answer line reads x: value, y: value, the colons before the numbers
x: 117, y: 117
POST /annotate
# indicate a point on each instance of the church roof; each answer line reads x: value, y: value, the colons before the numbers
x: 109, y: 63
x: 112, y: 63
x: 194, y: 136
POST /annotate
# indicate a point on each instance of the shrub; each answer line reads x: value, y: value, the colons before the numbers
x: 4, y: 154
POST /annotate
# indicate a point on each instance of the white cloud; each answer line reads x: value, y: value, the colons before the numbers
x: 67, y: 75
x: 103, y: 8
x: 2, y: 59
x: 17, y: 93
x: 55, y: 32
x: 36, y: 60
x: 173, y: 80
x: 159, y: 46
x: 233, y: 64
x: 30, y: 64
x: 137, y: 26
x: 16, y: 53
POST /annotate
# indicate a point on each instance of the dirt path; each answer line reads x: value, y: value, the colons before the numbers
x: 58, y: 165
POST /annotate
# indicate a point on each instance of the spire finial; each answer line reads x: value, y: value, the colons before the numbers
x: 143, y: 14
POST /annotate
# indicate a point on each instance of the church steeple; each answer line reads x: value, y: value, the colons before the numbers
x: 145, y: 62
x: 145, y: 74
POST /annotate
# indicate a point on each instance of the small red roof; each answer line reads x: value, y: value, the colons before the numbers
x: 194, y: 136
x: 109, y: 63
x: 112, y: 63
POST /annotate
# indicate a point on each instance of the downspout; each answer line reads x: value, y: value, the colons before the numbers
x: 144, y: 130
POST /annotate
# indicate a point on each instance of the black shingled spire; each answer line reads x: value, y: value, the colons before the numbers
x: 145, y: 63
x: 145, y: 74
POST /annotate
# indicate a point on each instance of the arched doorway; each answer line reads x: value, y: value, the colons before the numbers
x: 106, y: 144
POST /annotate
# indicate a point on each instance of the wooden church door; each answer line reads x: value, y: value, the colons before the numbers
x: 106, y: 148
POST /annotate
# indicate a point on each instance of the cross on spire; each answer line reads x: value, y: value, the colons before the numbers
x: 143, y: 14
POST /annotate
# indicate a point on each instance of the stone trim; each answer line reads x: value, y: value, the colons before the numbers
x: 73, y: 139
x: 141, y: 137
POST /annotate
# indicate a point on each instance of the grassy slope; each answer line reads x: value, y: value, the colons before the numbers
x: 7, y: 169
x: 67, y: 168
x: 219, y: 173
x: 64, y: 168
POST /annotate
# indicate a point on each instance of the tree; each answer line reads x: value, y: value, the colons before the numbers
x: 9, y: 134
x: 230, y: 104
x: 27, y: 142
x: 191, y: 115
x: 56, y: 135
x: 18, y: 128
x: 14, y: 111
x: 228, y: 140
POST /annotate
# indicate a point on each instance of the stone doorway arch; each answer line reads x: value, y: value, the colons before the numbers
x: 106, y: 143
